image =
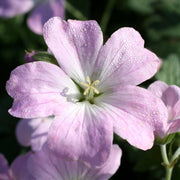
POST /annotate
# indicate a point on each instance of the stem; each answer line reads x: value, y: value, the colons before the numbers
x: 106, y: 14
x: 169, y: 173
x: 75, y: 12
x: 176, y: 154
x: 166, y: 162
x: 164, y: 154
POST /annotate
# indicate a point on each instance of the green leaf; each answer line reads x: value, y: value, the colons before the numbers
x: 45, y: 56
x: 169, y: 72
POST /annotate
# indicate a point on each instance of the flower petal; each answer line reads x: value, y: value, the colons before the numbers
x: 19, y: 168
x: 24, y: 130
x: 110, y: 166
x: 45, y: 165
x: 174, y: 126
x: 124, y: 60
x: 158, y: 88
x: 44, y: 12
x: 81, y: 133
x: 136, y: 114
x: 39, y: 135
x: 5, y: 173
x: 75, y: 44
x: 33, y: 132
x: 10, y: 8
x: 37, y: 90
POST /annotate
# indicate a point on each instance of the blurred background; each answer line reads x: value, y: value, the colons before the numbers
x: 158, y: 21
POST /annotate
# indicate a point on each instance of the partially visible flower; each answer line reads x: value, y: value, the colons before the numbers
x: 33, y: 132
x: 93, y: 94
x: 29, y: 56
x: 17, y: 170
x: 42, y: 10
x: 45, y: 165
x: 170, y: 95
x: 5, y: 172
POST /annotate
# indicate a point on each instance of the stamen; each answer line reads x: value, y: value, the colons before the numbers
x: 90, y: 86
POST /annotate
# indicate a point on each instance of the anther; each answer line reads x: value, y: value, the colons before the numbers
x: 90, y: 86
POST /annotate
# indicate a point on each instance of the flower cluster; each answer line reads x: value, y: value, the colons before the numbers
x: 71, y: 110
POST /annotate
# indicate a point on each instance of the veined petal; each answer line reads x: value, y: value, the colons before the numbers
x: 136, y: 113
x: 158, y: 88
x: 39, y: 135
x: 124, y: 60
x: 19, y: 168
x: 33, y: 132
x: 171, y: 96
x: 174, y: 126
x: 24, y: 130
x: 10, y: 8
x: 80, y: 133
x: 36, y: 88
x: 75, y: 44
x: 44, y: 12
x: 45, y: 165
x: 110, y: 166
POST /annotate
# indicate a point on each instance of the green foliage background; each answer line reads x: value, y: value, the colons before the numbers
x: 158, y: 21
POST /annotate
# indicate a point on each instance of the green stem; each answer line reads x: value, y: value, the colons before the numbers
x: 166, y: 162
x: 169, y: 173
x: 176, y: 154
x: 75, y: 12
x: 164, y: 154
x: 107, y: 14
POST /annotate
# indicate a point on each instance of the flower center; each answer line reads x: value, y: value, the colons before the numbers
x: 90, y: 86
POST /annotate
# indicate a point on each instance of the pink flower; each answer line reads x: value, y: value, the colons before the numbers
x: 33, y: 132
x: 18, y: 169
x: 42, y: 11
x: 93, y: 93
x: 45, y: 165
x: 170, y: 95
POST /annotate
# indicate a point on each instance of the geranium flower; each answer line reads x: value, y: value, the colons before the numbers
x: 17, y: 170
x: 33, y: 132
x: 42, y: 10
x: 93, y: 93
x: 45, y: 165
x: 170, y: 95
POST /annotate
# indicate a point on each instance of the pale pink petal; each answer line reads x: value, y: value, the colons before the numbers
x: 37, y: 89
x: 174, y: 126
x: 5, y: 173
x: 45, y: 165
x: 82, y: 132
x: 19, y: 168
x: 124, y: 60
x: 33, y: 132
x: 174, y: 122
x: 24, y: 130
x: 158, y: 88
x: 75, y: 44
x: 39, y: 135
x: 110, y: 166
x: 44, y: 12
x: 136, y: 113
x: 10, y: 8
x: 171, y: 96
